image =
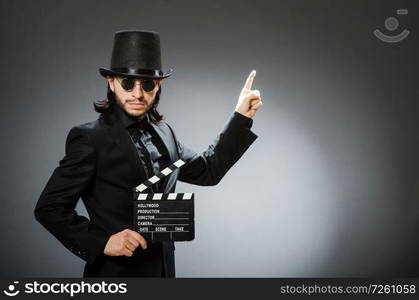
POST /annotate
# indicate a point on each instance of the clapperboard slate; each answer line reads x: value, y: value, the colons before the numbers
x: 164, y: 217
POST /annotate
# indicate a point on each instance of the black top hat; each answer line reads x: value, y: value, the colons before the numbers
x: 136, y: 53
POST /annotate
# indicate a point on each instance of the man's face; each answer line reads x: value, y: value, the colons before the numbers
x: 135, y: 102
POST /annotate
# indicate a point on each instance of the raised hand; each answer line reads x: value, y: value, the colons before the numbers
x: 249, y: 100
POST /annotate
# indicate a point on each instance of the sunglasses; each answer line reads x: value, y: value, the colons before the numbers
x: 128, y: 83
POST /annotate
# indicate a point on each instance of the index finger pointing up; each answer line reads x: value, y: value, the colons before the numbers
x: 249, y: 80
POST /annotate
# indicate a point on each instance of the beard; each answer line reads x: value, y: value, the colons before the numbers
x: 139, y: 114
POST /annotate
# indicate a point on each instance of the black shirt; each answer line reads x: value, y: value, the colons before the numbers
x: 151, y: 150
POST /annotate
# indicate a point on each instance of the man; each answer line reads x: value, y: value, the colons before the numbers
x: 129, y: 143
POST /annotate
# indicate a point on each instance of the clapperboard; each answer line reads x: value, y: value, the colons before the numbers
x: 164, y: 217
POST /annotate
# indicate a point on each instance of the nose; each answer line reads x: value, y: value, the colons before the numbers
x: 137, y: 91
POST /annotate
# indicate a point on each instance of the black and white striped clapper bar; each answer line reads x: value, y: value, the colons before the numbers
x: 164, y: 217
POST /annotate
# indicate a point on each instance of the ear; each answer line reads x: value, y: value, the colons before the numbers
x: 111, y: 83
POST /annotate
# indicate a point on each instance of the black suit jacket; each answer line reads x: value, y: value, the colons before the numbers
x: 101, y: 166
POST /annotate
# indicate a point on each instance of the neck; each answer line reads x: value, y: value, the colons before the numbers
x: 142, y: 116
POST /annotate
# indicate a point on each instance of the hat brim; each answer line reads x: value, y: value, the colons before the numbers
x: 107, y: 72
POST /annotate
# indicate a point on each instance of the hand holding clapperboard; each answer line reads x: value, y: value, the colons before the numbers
x: 164, y: 217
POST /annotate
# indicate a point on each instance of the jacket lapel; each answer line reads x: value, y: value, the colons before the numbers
x: 125, y: 145
x: 167, y: 138
x: 122, y: 139
x: 165, y: 134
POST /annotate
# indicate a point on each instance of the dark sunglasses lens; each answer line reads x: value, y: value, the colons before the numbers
x: 148, y: 85
x: 128, y: 83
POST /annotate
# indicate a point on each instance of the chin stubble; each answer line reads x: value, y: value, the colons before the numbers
x: 147, y: 107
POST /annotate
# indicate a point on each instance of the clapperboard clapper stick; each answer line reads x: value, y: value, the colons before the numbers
x: 164, y: 217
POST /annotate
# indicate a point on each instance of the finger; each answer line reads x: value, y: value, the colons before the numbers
x: 127, y: 252
x: 256, y: 92
x: 253, y: 95
x: 138, y: 237
x: 254, y: 101
x: 133, y: 241
x: 130, y: 246
x: 249, y: 80
x: 257, y: 105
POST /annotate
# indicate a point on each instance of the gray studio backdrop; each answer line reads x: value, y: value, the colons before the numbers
x: 330, y: 187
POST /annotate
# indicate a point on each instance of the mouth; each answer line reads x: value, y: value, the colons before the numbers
x: 137, y: 105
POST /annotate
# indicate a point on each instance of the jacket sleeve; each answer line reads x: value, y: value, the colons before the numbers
x: 211, y: 166
x: 55, y: 208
